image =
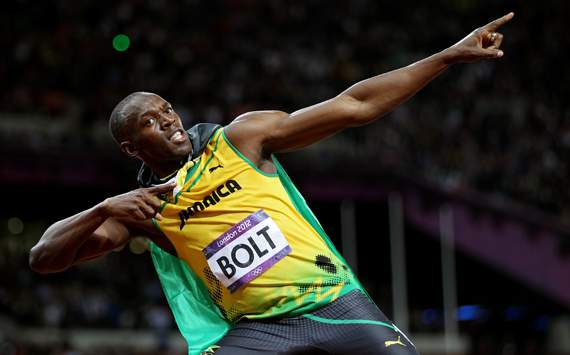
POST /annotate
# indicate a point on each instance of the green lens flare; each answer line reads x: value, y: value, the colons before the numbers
x: 121, y: 42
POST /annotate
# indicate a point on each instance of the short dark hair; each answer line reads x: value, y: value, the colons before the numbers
x: 120, y: 115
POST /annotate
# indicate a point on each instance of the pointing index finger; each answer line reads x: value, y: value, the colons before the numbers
x: 494, y: 25
x: 160, y: 189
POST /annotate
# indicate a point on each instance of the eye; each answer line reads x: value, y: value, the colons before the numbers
x: 149, y: 121
x: 169, y: 109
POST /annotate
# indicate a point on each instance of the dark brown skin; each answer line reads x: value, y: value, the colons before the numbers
x: 150, y: 140
x: 112, y: 223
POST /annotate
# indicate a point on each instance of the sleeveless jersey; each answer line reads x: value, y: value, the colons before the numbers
x: 250, y: 237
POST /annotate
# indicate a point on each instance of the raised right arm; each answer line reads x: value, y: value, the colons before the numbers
x: 96, y: 231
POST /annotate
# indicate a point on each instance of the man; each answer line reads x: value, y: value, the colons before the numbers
x: 242, y: 259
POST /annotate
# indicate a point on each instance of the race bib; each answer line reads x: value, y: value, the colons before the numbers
x: 246, y: 250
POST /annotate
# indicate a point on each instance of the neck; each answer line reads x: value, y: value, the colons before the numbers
x: 166, y: 168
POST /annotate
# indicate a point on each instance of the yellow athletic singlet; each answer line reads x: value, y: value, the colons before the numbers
x: 250, y: 237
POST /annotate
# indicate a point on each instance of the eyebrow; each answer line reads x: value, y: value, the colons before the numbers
x: 143, y: 114
x: 163, y: 106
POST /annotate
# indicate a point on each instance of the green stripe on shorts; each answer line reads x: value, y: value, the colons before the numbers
x: 348, y: 321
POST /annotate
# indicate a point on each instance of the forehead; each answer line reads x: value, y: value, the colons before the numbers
x: 144, y: 103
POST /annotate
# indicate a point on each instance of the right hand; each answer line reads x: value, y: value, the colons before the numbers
x: 483, y: 43
x: 140, y: 204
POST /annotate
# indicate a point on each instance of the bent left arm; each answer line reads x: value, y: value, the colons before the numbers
x: 258, y: 134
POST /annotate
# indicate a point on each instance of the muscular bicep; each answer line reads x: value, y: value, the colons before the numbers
x: 112, y: 234
x: 258, y: 134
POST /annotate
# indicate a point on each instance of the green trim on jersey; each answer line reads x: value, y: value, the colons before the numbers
x: 191, y: 171
x: 203, y: 169
x: 244, y: 158
x: 189, y: 174
x: 155, y: 224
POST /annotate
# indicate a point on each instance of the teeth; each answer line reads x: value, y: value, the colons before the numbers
x: 177, y: 136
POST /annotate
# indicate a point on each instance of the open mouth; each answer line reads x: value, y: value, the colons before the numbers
x: 178, y: 136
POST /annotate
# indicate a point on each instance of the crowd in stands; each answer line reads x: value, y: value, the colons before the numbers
x: 500, y: 127
x: 86, y: 297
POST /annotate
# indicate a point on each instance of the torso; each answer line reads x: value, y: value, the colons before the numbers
x: 246, y: 234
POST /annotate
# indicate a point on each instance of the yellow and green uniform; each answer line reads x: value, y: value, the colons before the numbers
x: 215, y: 193
x: 218, y: 192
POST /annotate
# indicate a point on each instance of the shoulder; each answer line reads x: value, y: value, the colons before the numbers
x: 253, y: 126
x: 258, y: 115
x: 249, y: 132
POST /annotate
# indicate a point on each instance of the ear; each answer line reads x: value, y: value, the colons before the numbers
x: 129, y: 149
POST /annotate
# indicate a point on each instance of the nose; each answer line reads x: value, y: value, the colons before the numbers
x: 166, y: 121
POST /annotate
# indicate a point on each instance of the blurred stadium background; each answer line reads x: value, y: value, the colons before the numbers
x: 453, y: 209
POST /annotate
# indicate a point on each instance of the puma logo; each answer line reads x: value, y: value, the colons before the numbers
x: 211, y: 350
x: 212, y: 169
x: 394, y: 342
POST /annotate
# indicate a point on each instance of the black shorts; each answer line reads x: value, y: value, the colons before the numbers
x: 350, y: 325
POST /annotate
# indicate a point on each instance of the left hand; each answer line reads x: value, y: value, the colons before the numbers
x: 483, y: 43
